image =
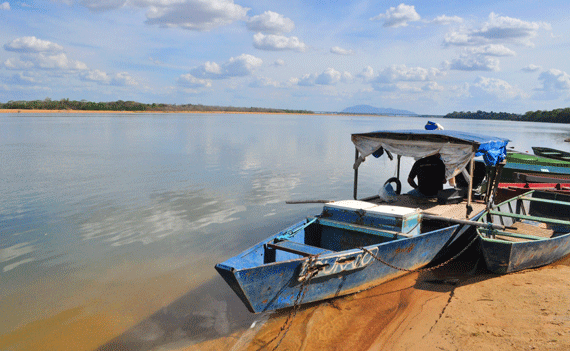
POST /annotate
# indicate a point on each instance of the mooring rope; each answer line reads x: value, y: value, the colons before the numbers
x: 313, y: 269
x: 305, y: 279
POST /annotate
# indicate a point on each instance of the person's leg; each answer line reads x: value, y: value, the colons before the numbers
x: 416, y: 193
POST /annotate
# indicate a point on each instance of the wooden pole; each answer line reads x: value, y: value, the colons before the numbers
x: 470, y: 187
x: 398, y: 171
x: 467, y: 222
x: 355, y: 175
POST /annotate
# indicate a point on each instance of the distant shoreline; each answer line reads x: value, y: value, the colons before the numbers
x: 35, y: 111
x: 133, y: 112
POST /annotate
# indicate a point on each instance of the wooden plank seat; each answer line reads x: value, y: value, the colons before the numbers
x: 297, y: 248
x: 519, y: 232
x: 530, y: 218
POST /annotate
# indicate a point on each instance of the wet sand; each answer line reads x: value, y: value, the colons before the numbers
x: 465, y: 308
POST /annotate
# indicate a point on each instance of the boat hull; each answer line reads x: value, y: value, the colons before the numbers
x: 545, y: 240
x: 277, y: 285
x: 503, y: 258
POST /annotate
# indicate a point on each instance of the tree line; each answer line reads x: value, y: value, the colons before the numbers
x: 120, y: 105
x: 561, y: 115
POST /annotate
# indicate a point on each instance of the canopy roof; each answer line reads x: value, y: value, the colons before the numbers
x: 455, y: 147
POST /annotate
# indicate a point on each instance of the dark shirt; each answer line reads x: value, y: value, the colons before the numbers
x: 431, y: 174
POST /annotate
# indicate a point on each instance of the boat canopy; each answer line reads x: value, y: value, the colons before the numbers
x: 455, y: 147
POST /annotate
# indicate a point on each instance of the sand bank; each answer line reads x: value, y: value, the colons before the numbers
x: 479, y: 311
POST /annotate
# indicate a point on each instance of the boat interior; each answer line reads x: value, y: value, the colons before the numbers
x: 532, y: 216
x: 352, y: 224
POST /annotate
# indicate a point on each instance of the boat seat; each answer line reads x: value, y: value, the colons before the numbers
x: 297, y: 248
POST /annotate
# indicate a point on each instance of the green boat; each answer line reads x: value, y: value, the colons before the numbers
x: 521, y: 167
x: 551, y: 153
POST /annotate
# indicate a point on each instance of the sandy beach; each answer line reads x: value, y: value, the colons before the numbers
x: 442, y: 310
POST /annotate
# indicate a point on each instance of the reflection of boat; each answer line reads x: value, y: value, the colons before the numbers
x: 551, y: 153
x: 529, y: 164
x: 538, y: 232
x: 353, y: 245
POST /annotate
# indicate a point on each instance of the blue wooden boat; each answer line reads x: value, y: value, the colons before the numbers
x: 537, y: 232
x: 353, y: 245
x: 336, y: 246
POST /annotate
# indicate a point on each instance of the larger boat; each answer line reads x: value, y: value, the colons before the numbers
x: 537, y: 232
x: 353, y: 245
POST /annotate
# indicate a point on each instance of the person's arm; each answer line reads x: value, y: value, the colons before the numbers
x: 412, y: 175
x: 412, y: 182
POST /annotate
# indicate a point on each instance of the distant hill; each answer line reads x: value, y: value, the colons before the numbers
x: 367, y: 109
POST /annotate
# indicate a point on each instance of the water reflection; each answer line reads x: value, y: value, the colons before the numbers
x: 166, y: 214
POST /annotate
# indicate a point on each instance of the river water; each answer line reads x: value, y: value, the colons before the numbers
x: 111, y: 224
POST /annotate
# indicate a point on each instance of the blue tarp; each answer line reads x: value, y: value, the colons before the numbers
x: 493, y: 149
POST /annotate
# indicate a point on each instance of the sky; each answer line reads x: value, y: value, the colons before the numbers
x: 429, y: 57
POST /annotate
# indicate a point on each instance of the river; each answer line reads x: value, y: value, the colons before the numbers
x: 111, y: 224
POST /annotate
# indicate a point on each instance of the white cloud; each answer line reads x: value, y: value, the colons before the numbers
x: 396, y: 73
x: 508, y: 28
x: 432, y: 86
x: 531, y: 68
x: 270, y: 23
x: 201, y: 15
x: 123, y: 79
x: 240, y: 66
x: 460, y: 37
x: 329, y: 77
x: 367, y: 74
x: 277, y: 42
x: 260, y: 82
x: 45, y: 61
x: 474, y: 63
x: 500, y: 29
x: 21, y: 79
x: 398, y: 16
x: 101, y: 5
x: 279, y: 62
x: 189, y: 81
x: 15, y: 63
x: 495, y: 88
x: 340, y: 51
x: 5, y: 6
x: 555, y: 80
x: 32, y: 45
x: 95, y: 76
x: 445, y: 20
x: 490, y: 50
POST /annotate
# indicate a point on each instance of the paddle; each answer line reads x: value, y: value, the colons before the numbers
x: 308, y: 202
x: 467, y: 222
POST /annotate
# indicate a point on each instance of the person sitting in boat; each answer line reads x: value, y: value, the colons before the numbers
x: 430, y: 172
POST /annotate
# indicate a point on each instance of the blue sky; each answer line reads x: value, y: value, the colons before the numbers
x: 430, y: 57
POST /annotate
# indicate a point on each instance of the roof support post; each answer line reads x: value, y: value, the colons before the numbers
x: 398, y: 168
x: 355, y: 174
x: 470, y: 187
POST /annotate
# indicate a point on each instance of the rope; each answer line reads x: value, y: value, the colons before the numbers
x: 306, y: 278
x: 312, y: 270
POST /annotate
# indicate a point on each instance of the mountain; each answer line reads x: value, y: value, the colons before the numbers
x: 371, y: 110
